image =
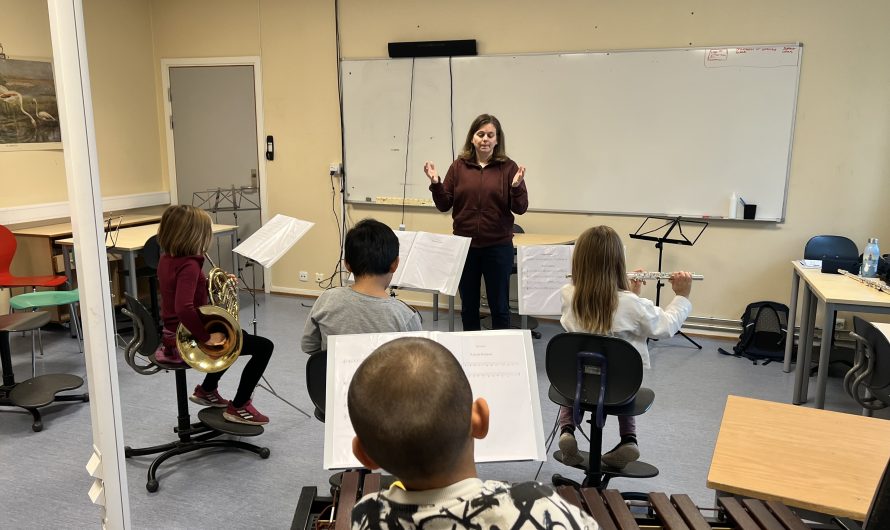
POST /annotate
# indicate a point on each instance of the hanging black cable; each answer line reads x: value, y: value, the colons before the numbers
x: 408, y: 141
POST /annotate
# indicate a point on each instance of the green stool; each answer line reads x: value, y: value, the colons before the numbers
x: 40, y: 299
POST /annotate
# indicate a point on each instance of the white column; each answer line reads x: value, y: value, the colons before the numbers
x: 81, y: 167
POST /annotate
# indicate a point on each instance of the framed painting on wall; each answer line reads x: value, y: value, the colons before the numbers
x: 29, y: 115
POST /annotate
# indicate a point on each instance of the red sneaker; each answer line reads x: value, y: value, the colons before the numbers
x: 166, y: 355
x: 208, y: 399
x: 246, y: 414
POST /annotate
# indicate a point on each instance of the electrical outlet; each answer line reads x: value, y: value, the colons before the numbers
x: 304, y: 276
x: 319, y: 277
x: 334, y: 168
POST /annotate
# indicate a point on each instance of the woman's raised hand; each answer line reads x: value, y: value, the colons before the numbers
x: 430, y: 169
x: 517, y: 178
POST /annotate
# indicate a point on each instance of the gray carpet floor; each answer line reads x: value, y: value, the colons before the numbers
x: 45, y: 482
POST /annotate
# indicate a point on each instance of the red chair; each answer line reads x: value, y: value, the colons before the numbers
x: 7, y: 279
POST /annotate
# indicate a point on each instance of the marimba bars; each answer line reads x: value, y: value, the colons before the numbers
x: 611, y: 511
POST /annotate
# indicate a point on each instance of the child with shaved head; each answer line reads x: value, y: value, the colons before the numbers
x: 413, y: 413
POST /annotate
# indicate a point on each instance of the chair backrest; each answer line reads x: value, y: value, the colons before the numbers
x: 517, y: 229
x: 825, y: 246
x: 316, y: 381
x: 624, y: 374
x: 144, y: 327
x: 879, y: 381
x: 7, y: 249
x: 151, y: 252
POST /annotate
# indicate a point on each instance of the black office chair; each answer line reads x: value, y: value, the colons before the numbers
x: 868, y: 381
x: 191, y: 436
x: 151, y: 255
x: 832, y: 247
x: 316, y: 381
x: 603, y: 376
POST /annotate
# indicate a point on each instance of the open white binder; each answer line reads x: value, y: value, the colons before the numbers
x: 430, y: 261
x: 542, y: 270
x: 500, y: 366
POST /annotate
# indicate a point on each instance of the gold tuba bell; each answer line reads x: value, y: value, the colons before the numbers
x: 221, y: 316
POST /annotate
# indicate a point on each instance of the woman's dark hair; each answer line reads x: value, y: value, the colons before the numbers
x: 371, y: 247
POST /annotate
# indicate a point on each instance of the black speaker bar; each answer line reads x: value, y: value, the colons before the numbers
x: 433, y: 48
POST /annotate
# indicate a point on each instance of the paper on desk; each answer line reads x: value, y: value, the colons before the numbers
x: 500, y: 366
x: 273, y: 239
x: 542, y: 271
x: 811, y: 263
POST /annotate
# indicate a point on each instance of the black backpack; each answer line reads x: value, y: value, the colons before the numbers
x: 764, y: 331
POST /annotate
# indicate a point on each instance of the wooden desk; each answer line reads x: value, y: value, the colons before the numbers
x: 837, y: 293
x: 37, y: 253
x: 818, y: 460
x: 60, y: 230
x: 129, y: 242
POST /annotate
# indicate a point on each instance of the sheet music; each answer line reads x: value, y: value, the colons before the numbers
x: 434, y: 262
x: 542, y: 271
x: 406, y: 241
x: 273, y: 239
x: 500, y: 366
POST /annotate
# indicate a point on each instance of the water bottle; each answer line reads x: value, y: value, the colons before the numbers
x: 870, y: 259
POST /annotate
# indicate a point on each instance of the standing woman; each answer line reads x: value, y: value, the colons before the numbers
x: 483, y: 188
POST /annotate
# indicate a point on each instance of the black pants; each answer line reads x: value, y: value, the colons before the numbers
x: 259, y: 349
x: 494, y: 263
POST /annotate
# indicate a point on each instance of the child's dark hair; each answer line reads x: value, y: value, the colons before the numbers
x: 370, y: 248
x: 410, y: 404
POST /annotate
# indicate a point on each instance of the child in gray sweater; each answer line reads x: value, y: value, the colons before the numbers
x: 371, y: 253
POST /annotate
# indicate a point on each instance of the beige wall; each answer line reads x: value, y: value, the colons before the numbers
x: 122, y: 78
x: 840, y: 173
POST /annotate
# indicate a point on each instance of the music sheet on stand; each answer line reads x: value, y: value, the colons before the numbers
x: 500, y: 366
x: 435, y: 262
x: 406, y: 241
x: 542, y: 271
x: 273, y: 239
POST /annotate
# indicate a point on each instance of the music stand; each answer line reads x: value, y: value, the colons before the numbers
x: 231, y: 199
x: 659, y: 229
x: 266, y: 246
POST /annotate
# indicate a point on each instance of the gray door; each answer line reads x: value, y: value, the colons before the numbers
x: 215, y: 143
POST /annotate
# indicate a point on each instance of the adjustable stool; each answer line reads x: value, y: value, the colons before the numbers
x: 36, y: 392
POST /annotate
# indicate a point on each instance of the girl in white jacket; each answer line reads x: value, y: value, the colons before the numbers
x: 602, y: 300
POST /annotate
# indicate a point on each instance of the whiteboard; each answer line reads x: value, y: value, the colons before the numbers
x: 666, y: 132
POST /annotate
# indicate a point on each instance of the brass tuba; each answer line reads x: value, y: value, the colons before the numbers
x: 221, y: 316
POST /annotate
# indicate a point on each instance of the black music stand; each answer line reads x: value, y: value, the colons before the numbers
x: 659, y: 229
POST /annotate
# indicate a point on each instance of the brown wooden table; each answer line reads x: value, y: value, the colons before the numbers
x: 823, y: 461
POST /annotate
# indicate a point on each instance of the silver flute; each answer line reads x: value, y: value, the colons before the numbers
x: 874, y: 283
x: 643, y: 276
